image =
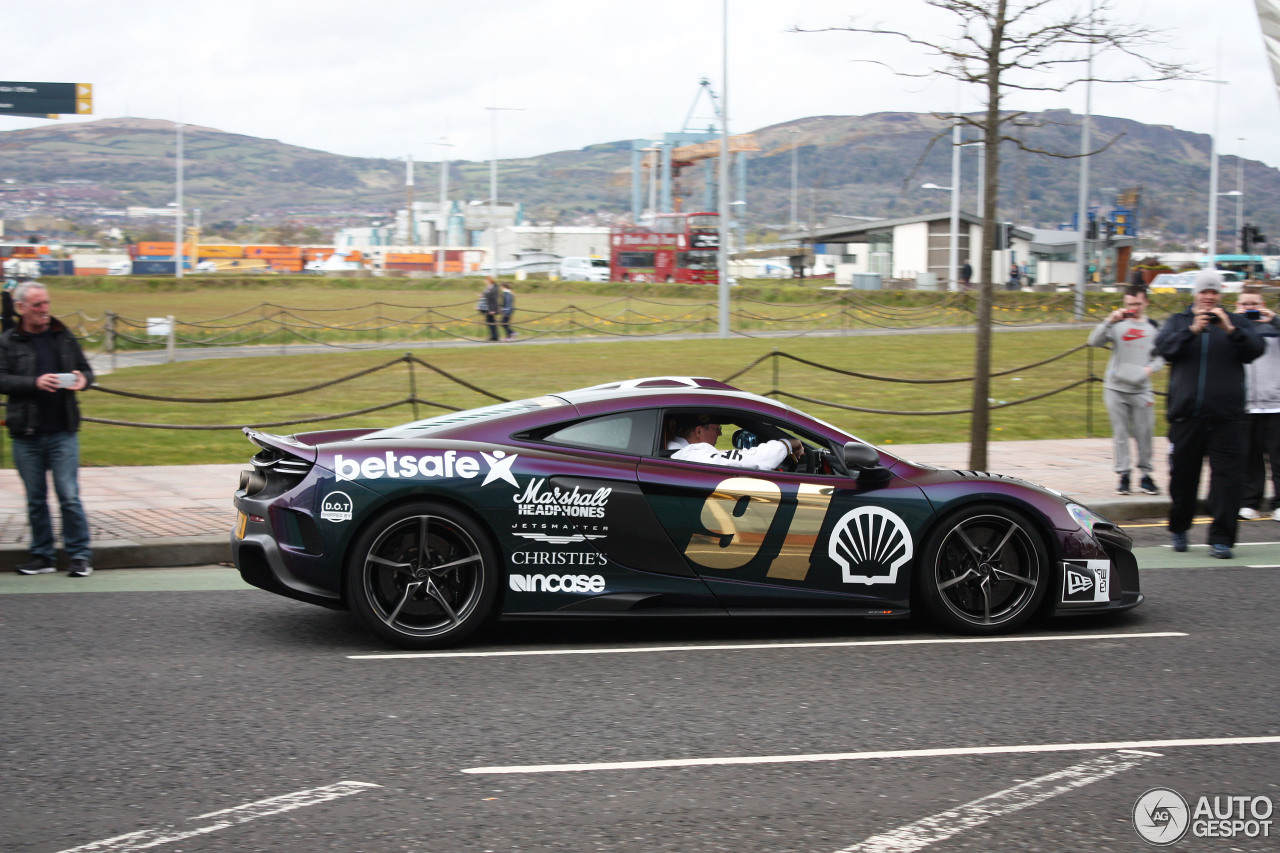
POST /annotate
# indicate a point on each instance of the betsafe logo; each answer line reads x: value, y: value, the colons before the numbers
x: 409, y: 466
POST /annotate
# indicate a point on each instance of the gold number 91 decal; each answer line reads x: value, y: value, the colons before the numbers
x: 739, y: 514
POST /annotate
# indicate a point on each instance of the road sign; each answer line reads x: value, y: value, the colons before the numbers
x: 43, y: 99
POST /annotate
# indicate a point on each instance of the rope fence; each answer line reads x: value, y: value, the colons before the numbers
x: 391, y: 324
x: 775, y: 358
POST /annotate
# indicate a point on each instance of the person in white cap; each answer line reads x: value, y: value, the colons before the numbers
x: 1206, y: 349
x: 1263, y: 406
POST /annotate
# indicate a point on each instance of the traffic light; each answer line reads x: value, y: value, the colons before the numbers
x: 1091, y: 233
x: 1008, y: 235
x: 1249, y: 237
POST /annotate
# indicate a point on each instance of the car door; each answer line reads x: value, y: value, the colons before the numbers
x: 771, y: 539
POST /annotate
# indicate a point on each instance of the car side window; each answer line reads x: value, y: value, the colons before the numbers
x: 628, y: 432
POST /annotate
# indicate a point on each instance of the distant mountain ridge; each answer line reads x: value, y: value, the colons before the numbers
x: 869, y: 165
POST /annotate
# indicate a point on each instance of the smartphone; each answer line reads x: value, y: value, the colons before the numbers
x: 66, y: 380
x: 1214, y: 318
x: 1128, y: 315
x: 1254, y: 314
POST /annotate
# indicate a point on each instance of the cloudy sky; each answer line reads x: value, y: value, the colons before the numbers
x: 395, y: 77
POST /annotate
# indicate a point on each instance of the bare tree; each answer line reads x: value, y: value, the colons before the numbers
x: 1010, y: 47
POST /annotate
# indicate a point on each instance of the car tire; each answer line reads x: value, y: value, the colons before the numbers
x: 422, y: 575
x: 985, y: 570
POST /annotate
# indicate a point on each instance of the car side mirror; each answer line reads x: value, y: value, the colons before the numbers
x: 864, y: 461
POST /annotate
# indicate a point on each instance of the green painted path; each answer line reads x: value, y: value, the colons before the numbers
x: 218, y: 578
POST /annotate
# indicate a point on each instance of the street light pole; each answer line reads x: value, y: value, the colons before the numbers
x: 953, y: 250
x: 493, y: 189
x: 1244, y: 250
x: 724, y: 171
x: 795, y: 179
x: 178, y: 254
x: 443, y: 230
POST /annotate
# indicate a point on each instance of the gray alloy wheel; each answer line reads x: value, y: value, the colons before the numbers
x: 984, y: 571
x: 422, y: 575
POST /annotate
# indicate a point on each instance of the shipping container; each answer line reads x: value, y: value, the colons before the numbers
x: 283, y: 252
x: 48, y: 267
x: 286, y: 264
x: 217, y: 251
x: 408, y: 258
x: 316, y: 253
x: 149, y: 248
x: 154, y: 267
x: 92, y: 271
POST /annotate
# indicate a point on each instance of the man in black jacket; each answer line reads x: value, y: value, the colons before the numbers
x: 41, y: 368
x: 1207, y: 349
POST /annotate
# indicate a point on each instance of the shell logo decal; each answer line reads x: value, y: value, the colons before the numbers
x: 870, y: 544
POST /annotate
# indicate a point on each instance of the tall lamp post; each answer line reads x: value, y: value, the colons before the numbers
x: 178, y: 255
x: 953, y: 247
x: 443, y: 231
x: 493, y: 188
x: 724, y: 172
x: 795, y: 179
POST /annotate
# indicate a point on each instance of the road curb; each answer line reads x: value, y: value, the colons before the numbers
x: 162, y: 551
x: 1127, y: 509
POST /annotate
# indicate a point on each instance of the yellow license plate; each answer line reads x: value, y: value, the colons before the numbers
x: 241, y: 521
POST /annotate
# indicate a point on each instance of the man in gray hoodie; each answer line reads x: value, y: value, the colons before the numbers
x: 1262, y: 379
x: 1126, y: 390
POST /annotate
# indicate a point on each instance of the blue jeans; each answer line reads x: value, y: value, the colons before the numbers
x: 58, y: 454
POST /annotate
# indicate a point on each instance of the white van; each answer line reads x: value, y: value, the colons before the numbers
x: 584, y: 269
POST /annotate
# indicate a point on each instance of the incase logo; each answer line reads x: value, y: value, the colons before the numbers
x: 557, y: 583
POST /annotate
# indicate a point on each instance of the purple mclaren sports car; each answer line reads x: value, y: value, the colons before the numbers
x: 571, y: 505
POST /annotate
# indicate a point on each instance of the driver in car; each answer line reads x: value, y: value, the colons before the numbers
x: 695, y: 441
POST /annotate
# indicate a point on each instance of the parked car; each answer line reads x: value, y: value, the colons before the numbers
x: 569, y: 505
x: 584, y: 269
x: 1182, y: 282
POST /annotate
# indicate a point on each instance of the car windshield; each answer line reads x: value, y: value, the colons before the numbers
x: 485, y: 413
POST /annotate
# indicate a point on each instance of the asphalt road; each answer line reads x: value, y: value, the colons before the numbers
x: 180, y: 711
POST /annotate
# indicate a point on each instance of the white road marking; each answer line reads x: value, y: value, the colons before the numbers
x: 741, y: 646
x: 148, y: 838
x: 1019, y: 749
x: 940, y: 827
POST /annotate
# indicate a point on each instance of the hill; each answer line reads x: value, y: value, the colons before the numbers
x: 850, y: 165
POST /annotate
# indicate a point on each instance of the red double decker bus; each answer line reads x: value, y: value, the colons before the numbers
x: 675, y: 247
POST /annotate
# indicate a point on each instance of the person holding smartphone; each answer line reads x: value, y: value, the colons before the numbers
x: 1126, y: 389
x: 1262, y: 380
x: 41, y: 369
x: 1207, y: 349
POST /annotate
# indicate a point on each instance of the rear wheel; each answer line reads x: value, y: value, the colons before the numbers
x: 985, y: 571
x: 422, y: 575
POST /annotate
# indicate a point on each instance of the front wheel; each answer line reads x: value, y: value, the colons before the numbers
x: 985, y: 570
x: 422, y: 575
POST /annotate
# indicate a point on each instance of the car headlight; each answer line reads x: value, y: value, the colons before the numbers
x: 1084, y: 517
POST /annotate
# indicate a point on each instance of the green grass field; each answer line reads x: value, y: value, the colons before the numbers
x: 518, y: 370
x: 392, y: 310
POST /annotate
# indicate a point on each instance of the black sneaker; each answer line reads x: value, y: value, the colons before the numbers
x: 1148, y: 485
x: 1123, y: 488
x: 35, y: 566
x: 79, y: 568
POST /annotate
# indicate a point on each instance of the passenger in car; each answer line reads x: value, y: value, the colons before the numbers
x: 695, y: 439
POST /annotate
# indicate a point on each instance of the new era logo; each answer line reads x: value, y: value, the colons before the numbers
x: 1078, y: 583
